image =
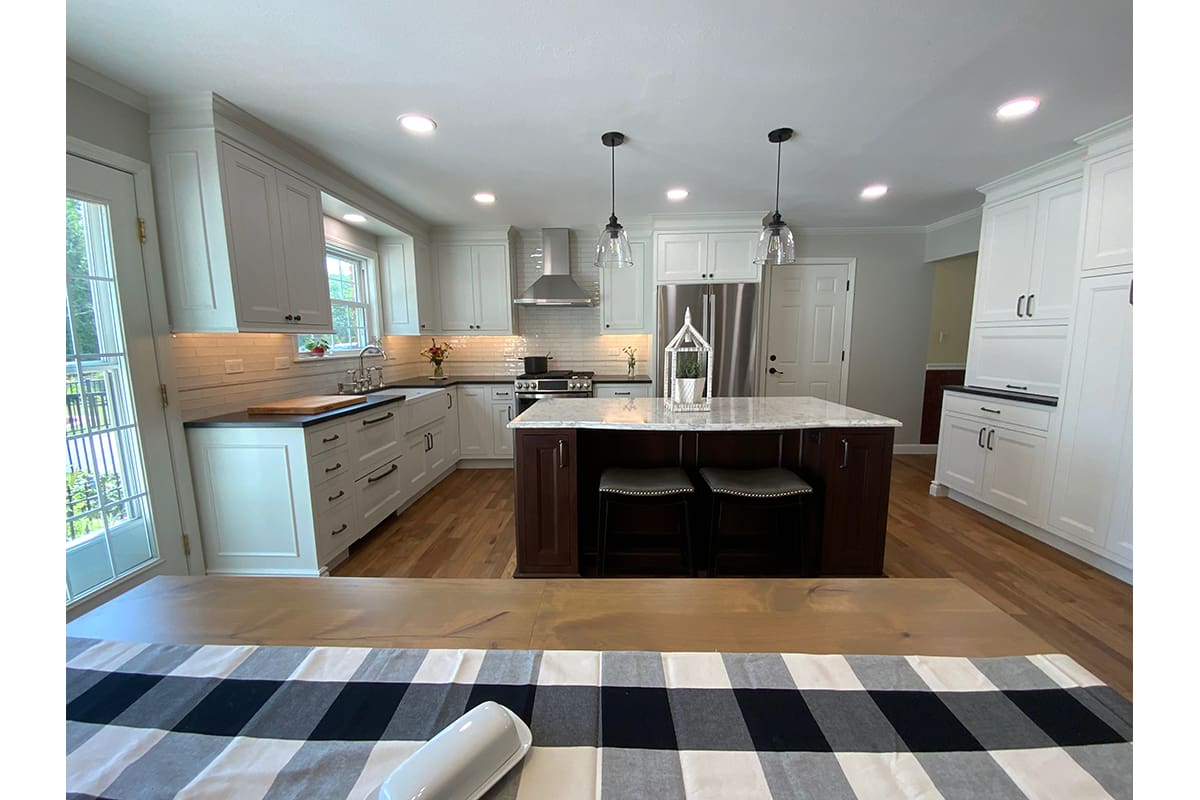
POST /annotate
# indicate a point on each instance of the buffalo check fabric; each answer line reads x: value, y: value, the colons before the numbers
x: 165, y: 720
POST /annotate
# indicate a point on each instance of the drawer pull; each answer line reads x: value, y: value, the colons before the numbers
x: 1029, y: 306
x: 384, y: 475
x: 981, y: 430
x: 991, y: 434
x: 1020, y: 300
x: 845, y: 454
x: 1018, y: 388
x: 333, y: 438
x: 339, y: 530
x: 562, y: 455
x: 621, y: 394
x: 341, y: 493
x: 989, y: 410
x: 334, y: 468
x: 384, y: 418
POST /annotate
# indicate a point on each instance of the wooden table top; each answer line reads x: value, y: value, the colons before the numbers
x: 896, y: 616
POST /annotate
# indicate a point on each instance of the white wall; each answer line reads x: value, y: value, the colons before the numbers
x: 97, y: 118
x: 890, y: 330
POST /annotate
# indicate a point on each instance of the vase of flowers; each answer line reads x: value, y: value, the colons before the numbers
x: 436, y: 353
x: 631, y: 363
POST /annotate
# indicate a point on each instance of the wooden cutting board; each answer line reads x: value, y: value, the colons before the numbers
x: 313, y: 404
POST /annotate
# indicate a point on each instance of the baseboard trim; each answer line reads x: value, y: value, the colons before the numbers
x: 915, y: 449
x: 486, y: 463
x: 1118, y: 571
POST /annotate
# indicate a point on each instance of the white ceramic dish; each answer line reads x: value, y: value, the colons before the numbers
x: 464, y: 759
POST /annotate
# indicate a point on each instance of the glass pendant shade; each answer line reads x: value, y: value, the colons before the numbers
x: 776, y: 245
x: 612, y: 248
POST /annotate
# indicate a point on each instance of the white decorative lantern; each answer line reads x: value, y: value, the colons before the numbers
x: 687, y: 369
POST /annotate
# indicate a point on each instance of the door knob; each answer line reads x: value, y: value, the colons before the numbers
x: 774, y: 371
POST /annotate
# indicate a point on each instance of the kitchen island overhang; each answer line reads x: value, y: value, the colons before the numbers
x: 561, y: 447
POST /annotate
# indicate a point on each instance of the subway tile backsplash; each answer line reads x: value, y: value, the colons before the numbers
x: 571, y: 335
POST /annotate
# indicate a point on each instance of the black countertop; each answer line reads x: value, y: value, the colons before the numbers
x: 621, y: 379
x: 425, y: 382
x: 1000, y: 394
x: 240, y: 419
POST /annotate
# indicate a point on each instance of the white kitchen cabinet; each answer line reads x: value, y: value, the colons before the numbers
x: 1093, y: 440
x: 1108, y: 226
x: 1027, y: 253
x: 429, y: 313
x: 1014, y: 473
x: 502, y: 437
x: 622, y: 390
x: 398, y: 283
x: 452, y: 438
x: 961, y: 453
x: 474, y: 286
x: 380, y: 492
x: 376, y: 437
x: 416, y: 445
x: 475, y: 421
x: 704, y: 257
x: 624, y: 294
x: 1027, y: 359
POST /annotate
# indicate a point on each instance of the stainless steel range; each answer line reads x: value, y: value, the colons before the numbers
x: 557, y: 383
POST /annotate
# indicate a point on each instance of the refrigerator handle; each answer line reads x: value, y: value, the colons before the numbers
x: 712, y: 317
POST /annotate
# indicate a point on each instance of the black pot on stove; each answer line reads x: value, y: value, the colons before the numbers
x: 536, y: 365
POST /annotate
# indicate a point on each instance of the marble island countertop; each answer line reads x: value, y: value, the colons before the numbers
x: 727, y: 414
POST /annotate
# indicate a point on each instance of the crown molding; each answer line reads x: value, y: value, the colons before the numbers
x: 106, y: 86
x: 954, y: 220
x: 1061, y: 168
x: 866, y: 229
x: 1105, y: 139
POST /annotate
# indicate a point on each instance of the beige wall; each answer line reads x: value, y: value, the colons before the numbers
x: 950, y: 314
x: 99, y: 119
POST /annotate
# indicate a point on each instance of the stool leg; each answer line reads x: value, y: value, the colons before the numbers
x: 686, y: 533
x: 603, y: 543
x: 715, y: 520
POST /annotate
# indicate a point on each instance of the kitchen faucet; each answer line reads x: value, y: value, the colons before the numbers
x: 360, y: 379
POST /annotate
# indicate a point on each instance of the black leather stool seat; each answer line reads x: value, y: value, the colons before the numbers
x: 758, y: 483
x: 653, y: 482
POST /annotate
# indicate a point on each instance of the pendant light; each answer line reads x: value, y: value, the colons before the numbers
x: 776, y: 245
x: 612, y: 250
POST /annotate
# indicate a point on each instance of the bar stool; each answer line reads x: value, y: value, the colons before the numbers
x: 772, y: 487
x: 642, y: 487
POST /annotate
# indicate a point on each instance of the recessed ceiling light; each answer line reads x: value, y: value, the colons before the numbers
x: 487, y: 198
x: 677, y: 194
x: 1020, y: 107
x: 874, y: 191
x: 417, y: 123
x: 354, y: 218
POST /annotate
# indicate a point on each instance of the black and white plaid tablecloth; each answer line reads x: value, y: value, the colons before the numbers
x: 154, y: 720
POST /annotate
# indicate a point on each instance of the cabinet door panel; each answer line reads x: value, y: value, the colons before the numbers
x: 1096, y: 411
x: 453, y: 441
x: 1119, y: 539
x: 376, y: 437
x: 435, y: 457
x: 623, y: 294
x: 415, y: 459
x: 493, y: 298
x: 379, y: 493
x: 854, y: 528
x: 961, y: 455
x: 1014, y: 473
x: 429, y: 312
x: 681, y: 257
x: 398, y: 281
x: 1005, y: 259
x: 1020, y: 358
x: 303, y: 237
x: 502, y: 437
x: 731, y: 257
x: 1052, y: 282
x: 475, y: 421
x: 456, y: 287
x: 255, y: 250
x: 547, y: 518
x: 1108, y: 229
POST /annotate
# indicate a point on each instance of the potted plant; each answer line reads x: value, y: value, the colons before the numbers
x: 689, y: 380
x: 436, y: 353
x: 316, y: 346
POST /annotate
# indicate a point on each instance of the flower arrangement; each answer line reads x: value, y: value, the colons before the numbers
x: 436, y: 353
x: 632, y: 362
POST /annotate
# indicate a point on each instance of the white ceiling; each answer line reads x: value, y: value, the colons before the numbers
x: 894, y: 92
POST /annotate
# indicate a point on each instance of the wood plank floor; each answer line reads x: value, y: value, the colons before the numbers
x: 463, y: 528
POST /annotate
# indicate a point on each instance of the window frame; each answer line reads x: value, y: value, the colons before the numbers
x: 369, y: 259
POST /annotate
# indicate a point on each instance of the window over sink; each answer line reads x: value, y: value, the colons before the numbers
x: 353, y: 300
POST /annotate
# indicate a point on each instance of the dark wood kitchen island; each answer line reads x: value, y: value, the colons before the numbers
x: 562, y: 445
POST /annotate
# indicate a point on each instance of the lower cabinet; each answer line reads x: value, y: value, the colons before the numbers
x: 546, y: 514
x: 483, y: 416
x: 626, y: 390
x: 502, y: 437
x: 380, y: 492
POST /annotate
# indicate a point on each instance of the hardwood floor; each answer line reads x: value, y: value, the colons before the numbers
x: 463, y: 528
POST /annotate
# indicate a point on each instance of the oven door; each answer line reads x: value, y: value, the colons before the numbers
x: 526, y: 399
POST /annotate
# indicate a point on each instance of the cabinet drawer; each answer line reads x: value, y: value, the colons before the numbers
x: 329, y: 465
x: 332, y: 493
x: 376, y: 437
x: 335, y: 531
x: 429, y: 408
x: 991, y: 410
x: 325, y: 438
x: 1021, y: 359
x: 502, y: 393
x: 379, y: 493
x: 622, y: 390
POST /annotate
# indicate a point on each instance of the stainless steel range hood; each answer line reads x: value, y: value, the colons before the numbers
x: 555, y: 287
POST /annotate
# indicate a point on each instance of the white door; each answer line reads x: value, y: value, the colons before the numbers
x: 1108, y: 230
x: 1052, y: 280
x: 255, y: 250
x: 961, y: 454
x: 623, y: 294
x: 502, y: 437
x: 681, y: 257
x: 303, y: 238
x: 1096, y: 413
x: 122, y: 514
x: 731, y: 257
x: 493, y: 301
x: 1005, y: 260
x: 456, y: 287
x: 805, y: 331
x: 1013, y: 476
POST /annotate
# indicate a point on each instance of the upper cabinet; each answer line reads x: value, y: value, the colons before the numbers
x: 398, y: 281
x: 474, y: 269
x: 706, y: 257
x: 623, y: 295
x: 243, y: 244
x: 1108, y: 228
x: 1027, y: 251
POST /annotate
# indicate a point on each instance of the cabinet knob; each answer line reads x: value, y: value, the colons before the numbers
x: 288, y: 318
x: 297, y: 318
x: 607, y: 325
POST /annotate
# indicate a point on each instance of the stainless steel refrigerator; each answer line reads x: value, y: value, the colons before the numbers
x: 727, y: 316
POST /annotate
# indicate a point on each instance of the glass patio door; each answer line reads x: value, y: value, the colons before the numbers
x: 122, y: 514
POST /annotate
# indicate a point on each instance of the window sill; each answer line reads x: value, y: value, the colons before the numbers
x: 302, y: 359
